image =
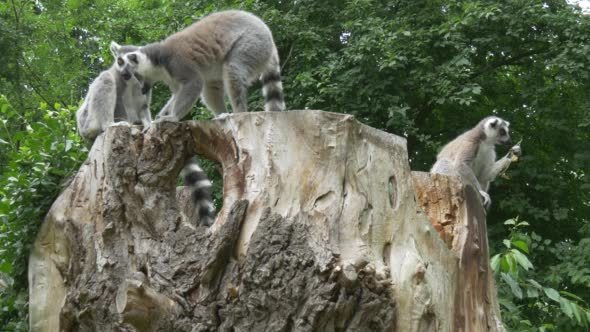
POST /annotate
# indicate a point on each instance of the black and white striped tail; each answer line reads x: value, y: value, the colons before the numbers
x: 200, y: 186
x: 272, y: 88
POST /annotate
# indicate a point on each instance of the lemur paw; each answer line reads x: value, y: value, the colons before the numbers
x: 146, y: 127
x: 221, y: 116
x: 516, y: 150
x: 166, y: 118
x: 487, y: 201
x: 120, y: 124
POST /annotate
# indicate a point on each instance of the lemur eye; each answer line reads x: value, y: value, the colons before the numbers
x: 120, y: 61
x: 502, y: 131
x: 133, y: 57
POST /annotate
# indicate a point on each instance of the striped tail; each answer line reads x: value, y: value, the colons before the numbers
x: 200, y: 186
x: 272, y: 88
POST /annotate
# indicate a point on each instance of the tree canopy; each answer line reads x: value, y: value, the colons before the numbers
x: 425, y: 70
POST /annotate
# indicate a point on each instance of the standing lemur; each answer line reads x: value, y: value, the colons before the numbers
x: 227, y: 50
x: 472, y: 155
x: 116, y: 96
x: 113, y: 96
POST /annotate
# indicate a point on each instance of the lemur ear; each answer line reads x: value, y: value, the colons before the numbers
x: 115, y: 49
x: 494, y: 123
x: 507, y: 123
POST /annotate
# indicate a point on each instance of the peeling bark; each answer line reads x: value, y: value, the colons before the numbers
x: 319, y: 231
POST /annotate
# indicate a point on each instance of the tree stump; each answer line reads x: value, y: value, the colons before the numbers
x: 319, y: 231
x: 457, y: 214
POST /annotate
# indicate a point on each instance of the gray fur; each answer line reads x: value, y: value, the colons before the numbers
x: 223, y: 53
x: 472, y: 155
x: 111, y: 99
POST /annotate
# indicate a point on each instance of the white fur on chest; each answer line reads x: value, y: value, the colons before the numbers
x: 486, y: 155
x: 133, y: 100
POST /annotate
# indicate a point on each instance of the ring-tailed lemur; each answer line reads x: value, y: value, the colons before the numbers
x: 472, y: 155
x: 224, y: 51
x: 114, y: 96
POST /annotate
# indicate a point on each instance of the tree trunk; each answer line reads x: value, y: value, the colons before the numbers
x: 319, y: 231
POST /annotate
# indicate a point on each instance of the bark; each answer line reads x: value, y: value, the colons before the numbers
x: 319, y: 231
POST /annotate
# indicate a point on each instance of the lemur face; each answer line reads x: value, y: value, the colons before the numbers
x: 497, y: 131
x: 127, y: 59
x: 125, y: 67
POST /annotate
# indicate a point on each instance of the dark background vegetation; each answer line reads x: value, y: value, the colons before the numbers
x: 423, y: 69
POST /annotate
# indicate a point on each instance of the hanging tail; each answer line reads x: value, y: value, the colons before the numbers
x: 200, y: 186
x: 272, y: 88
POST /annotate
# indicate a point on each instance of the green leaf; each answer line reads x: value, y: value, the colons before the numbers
x: 510, y: 222
x: 576, y: 311
x: 570, y: 295
x: 522, y: 259
x: 566, y: 307
x: 521, y: 245
x: 462, y: 62
x: 552, y: 294
x: 506, y: 243
x: 495, y: 262
x: 532, y: 292
x: 535, y: 283
x: 546, y: 327
x: 512, y: 264
x: 514, y: 287
x: 504, y: 265
x: 507, y: 304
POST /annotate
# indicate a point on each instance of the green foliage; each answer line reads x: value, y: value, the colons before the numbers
x: 425, y: 70
x: 39, y: 151
x: 574, y: 264
x: 13, y: 305
x: 214, y: 173
x: 527, y: 304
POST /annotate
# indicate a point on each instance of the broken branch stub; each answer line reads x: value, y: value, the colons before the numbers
x: 319, y: 230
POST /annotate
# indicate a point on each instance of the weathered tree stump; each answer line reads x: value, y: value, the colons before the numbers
x: 456, y: 212
x: 319, y: 231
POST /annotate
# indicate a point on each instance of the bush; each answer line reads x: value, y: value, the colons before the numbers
x: 39, y: 150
